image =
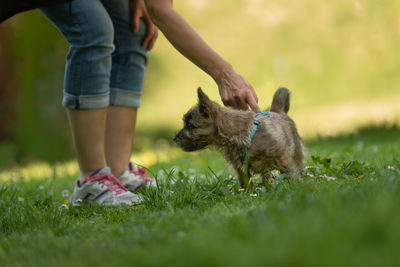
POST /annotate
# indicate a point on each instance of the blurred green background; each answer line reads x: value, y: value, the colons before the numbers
x: 339, y: 58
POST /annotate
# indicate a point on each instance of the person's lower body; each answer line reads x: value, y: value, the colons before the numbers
x: 104, y: 75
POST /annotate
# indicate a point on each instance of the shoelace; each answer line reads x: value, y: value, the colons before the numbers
x: 112, y: 183
x: 142, y: 173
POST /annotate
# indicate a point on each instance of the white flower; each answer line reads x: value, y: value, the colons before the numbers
x: 330, y: 178
x: 21, y: 199
x: 40, y: 187
x: 77, y: 202
x: 391, y: 168
x: 241, y: 190
x: 253, y: 195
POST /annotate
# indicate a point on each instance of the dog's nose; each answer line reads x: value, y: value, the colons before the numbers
x: 175, y: 138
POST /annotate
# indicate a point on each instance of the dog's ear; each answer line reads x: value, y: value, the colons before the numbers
x: 206, y: 106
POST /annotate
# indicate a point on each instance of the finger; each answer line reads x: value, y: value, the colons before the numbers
x: 240, y: 102
x: 229, y: 101
x: 253, y: 104
x: 135, y: 22
x: 254, y: 95
x: 153, y: 40
x: 149, y: 33
x: 252, y: 101
x: 242, y: 105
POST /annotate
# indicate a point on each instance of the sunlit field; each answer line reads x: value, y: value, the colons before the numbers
x: 340, y: 60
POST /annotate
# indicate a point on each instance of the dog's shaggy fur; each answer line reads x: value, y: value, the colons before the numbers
x: 276, y: 144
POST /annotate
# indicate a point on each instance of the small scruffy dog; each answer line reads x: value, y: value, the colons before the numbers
x: 252, y: 143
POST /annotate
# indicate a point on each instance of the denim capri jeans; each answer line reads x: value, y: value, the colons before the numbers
x: 106, y: 62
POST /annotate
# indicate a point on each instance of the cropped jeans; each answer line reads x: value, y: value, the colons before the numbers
x: 106, y: 62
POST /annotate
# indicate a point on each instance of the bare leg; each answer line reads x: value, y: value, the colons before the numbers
x: 88, y: 131
x: 120, y: 127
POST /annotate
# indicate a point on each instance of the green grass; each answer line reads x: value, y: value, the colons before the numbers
x: 345, y: 213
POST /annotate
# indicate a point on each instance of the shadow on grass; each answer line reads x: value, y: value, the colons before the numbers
x: 150, y: 139
x: 371, y: 134
x: 374, y: 144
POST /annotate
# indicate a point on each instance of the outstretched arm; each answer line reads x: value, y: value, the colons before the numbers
x: 235, y: 91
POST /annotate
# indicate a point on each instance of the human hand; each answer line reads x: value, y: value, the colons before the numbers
x: 139, y: 11
x: 236, y: 92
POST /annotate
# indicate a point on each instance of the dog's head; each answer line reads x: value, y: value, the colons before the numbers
x: 200, y: 129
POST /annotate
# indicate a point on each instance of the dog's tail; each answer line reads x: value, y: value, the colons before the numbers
x: 281, y: 101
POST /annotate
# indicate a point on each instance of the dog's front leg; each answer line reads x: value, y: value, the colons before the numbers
x: 242, y: 176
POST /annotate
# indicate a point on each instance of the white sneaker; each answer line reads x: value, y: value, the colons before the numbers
x: 136, y: 177
x: 103, y: 188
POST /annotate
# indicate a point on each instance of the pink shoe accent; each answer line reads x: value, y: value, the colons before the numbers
x: 141, y: 171
x: 112, y: 183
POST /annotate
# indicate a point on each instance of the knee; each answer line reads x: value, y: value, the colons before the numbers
x: 96, y: 33
x: 94, y: 44
x: 100, y: 36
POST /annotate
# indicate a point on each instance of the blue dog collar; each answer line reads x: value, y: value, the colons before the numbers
x: 256, y: 122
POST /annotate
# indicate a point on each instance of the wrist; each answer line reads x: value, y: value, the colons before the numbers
x: 221, y: 72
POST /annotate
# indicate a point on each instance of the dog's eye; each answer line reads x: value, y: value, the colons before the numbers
x: 190, y: 125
